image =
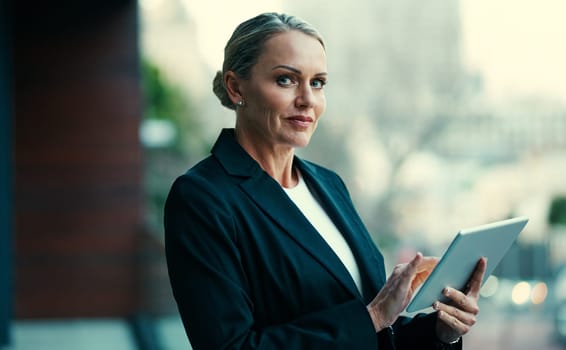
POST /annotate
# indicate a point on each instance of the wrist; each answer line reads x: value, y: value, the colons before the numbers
x: 378, y: 323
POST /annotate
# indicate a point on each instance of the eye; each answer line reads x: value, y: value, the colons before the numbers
x: 284, y: 80
x: 318, y: 83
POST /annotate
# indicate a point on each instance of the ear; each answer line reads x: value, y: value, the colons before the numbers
x: 233, y: 86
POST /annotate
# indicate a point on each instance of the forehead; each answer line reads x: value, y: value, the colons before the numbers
x: 293, y: 48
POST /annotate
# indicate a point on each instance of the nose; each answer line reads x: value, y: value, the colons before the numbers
x: 305, y: 97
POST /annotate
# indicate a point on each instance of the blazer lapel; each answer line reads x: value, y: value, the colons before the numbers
x: 268, y: 195
x: 337, y: 203
x: 271, y: 198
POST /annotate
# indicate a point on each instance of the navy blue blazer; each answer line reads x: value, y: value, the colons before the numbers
x: 248, y: 270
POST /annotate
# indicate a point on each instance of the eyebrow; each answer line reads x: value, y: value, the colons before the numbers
x: 295, y: 70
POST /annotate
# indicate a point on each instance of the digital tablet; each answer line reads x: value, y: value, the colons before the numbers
x: 457, y: 264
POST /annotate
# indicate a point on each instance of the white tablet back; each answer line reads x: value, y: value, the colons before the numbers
x: 459, y: 261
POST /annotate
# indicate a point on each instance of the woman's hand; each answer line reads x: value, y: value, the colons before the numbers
x: 457, y: 318
x: 398, y: 290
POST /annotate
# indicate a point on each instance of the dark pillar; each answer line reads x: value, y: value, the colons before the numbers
x: 5, y: 181
x: 77, y: 207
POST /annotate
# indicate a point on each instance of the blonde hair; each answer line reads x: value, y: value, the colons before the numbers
x: 246, y: 45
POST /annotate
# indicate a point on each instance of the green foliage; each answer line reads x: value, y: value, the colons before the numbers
x: 165, y: 101
x: 557, y: 212
x: 162, y: 99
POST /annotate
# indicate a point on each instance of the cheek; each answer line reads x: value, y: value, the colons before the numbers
x: 275, y: 99
x: 321, y: 105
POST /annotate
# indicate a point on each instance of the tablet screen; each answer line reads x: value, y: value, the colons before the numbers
x: 459, y: 261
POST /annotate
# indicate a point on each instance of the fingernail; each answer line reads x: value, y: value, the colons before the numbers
x: 445, y: 291
x: 435, y: 305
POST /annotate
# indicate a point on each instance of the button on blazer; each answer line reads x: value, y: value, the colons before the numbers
x: 249, y: 271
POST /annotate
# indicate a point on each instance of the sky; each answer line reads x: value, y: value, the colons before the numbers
x: 217, y: 19
x: 517, y: 46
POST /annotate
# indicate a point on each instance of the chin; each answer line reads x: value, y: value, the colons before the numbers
x: 299, y: 139
x: 301, y: 143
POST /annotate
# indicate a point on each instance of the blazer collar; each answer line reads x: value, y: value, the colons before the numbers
x: 233, y: 158
x: 269, y: 196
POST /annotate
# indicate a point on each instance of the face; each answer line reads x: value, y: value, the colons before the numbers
x: 284, y: 96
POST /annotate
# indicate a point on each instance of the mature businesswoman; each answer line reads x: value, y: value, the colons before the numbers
x: 265, y: 250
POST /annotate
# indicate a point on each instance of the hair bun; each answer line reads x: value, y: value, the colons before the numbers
x: 220, y: 90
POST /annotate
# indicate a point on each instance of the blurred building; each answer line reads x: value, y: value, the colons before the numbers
x: 504, y: 135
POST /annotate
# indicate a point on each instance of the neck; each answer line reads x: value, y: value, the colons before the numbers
x: 276, y: 160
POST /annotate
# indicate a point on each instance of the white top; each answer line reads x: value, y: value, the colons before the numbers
x: 312, y: 210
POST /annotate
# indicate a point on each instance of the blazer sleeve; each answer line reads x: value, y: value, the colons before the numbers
x: 419, y: 332
x: 211, y: 291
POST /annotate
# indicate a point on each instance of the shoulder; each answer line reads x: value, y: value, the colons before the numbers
x: 201, y: 184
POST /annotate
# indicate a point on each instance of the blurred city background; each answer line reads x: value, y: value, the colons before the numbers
x: 441, y: 115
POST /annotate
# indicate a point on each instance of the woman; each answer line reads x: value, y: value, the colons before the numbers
x: 265, y: 250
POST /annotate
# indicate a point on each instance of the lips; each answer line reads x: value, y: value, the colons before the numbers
x: 301, y: 120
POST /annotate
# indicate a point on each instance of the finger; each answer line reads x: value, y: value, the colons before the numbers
x: 453, y: 323
x: 412, y: 266
x: 467, y: 318
x: 416, y: 260
x: 474, y: 284
x: 462, y: 301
